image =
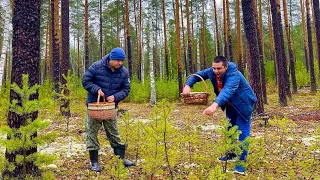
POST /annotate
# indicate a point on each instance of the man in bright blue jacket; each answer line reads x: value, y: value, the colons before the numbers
x: 234, y: 95
x: 109, y: 79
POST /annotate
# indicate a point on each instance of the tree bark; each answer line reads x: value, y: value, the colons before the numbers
x: 204, y: 48
x: 165, y: 39
x: 86, y: 35
x: 305, y: 37
x: 252, y: 42
x: 317, y: 27
x: 239, y: 38
x: 65, y: 108
x: 183, y: 42
x: 216, y: 28
x: 229, y: 32
x: 291, y: 55
x: 189, y: 39
x: 261, y: 60
x: 55, y: 44
x: 177, y: 25
x: 311, y: 61
x: 100, y: 26
x: 128, y: 40
x: 279, y: 47
x: 26, y: 60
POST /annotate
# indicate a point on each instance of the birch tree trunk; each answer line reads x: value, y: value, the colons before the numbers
x: 153, y: 98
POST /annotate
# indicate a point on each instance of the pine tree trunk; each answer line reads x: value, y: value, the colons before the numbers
x: 2, y: 21
x: 225, y: 29
x: 86, y: 36
x: 64, y: 108
x: 216, y: 29
x: 55, y: 44
x: 239, y: 38
x: 26, y: 60
x: 204, y: 48
x: 279, y: 47
x: 165, y: 39
x: 270, y: 34
x: 229, y: 32
x: 118, y: 39
x: 189, y: 39
x: 251, y: 36
x: 261, y: 60
x: 177, y: 22
x: 155, y: 45
x: 194, y: 59
x: 137, y: 40
x: 100, y: 24
x: 183, y: 42
x: 50, y: 54
x: 291, y: 55
x: 305, y: 37
x: 311, y: 61
x: 317, y: 27
x: 128, y: 40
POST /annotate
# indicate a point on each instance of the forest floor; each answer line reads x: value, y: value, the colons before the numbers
x: 286, y: 147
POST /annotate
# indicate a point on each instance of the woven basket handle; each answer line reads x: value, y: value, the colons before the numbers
x: 98, y: 100
x: 205, y: 85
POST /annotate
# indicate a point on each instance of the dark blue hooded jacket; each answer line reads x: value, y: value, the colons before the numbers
x: 100, y: 76
x: 235, y: 89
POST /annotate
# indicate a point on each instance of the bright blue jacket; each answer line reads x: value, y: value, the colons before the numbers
x: 235, y: 89
x: 100, y: 76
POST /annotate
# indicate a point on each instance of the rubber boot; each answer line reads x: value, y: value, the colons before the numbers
x: 120, y: 151
x: 94, y: 160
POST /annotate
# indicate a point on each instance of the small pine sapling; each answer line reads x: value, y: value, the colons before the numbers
x: 22, y: 139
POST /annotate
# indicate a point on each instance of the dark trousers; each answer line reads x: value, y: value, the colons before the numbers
x: 244, y: 126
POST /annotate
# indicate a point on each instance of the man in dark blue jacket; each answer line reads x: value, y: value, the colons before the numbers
x: 234, y: 94
x: 109, y: 79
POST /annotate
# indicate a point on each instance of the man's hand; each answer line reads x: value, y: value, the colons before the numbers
x: 186, y: 90
x: 110, y: 98
x: 100, y: 92
x: 211, y: 109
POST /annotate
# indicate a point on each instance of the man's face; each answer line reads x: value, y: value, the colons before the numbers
x: 219, y: 69
x: 116, y: 64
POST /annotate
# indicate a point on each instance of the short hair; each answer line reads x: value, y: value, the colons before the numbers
x: 219, y: 59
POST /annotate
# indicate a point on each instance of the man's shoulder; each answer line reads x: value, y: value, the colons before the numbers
x: 124, y: 70
x: 97, y: 64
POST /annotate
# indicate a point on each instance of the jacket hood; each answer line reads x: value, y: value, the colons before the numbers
x: 232, y: 67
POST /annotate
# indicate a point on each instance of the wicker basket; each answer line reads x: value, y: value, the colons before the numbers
x: 101, y: 110
x: 197, y: 97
